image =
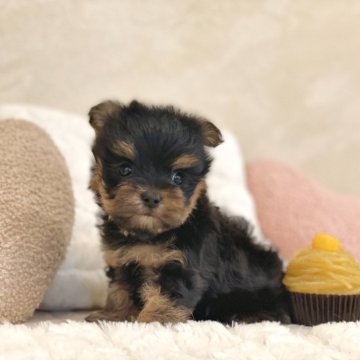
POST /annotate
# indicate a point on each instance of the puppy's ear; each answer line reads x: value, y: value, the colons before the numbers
x: 211, y: 134
x: 102, y: 112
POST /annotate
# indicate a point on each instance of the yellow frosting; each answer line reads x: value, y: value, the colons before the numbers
x: 325, y: 268
x: 326, y: 242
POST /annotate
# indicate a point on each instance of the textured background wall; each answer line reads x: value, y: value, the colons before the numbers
x: 283, y: 74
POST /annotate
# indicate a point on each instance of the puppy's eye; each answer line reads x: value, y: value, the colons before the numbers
x: 125, y: 169
x: 177, y: 178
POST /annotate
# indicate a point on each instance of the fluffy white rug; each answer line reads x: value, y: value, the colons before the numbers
x: 203, y: 340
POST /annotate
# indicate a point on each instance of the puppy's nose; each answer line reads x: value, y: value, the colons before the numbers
x: 151, y: 199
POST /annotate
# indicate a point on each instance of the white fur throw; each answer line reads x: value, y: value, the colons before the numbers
x: 80, y: 282
x: 194, y: 340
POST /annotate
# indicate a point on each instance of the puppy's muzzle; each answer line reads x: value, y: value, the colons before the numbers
x: 151, y: 199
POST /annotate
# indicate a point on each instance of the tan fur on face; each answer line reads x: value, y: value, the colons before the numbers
x: 185, y: 161
x: 125, y: 203
x: 200, y: 188
x: 159, y: 307
x: 178, y: 209
x: 152, y: 256
x: 124, y: 149
x: 127, y: 208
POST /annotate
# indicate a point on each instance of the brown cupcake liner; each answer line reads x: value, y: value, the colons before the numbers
x: 313, y: 309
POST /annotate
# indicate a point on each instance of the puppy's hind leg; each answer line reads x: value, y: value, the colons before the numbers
x: 249, y: 306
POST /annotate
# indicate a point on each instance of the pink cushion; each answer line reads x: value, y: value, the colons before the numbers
x: 292, y: 209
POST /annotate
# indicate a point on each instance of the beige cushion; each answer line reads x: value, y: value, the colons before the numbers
x: 36, y: 216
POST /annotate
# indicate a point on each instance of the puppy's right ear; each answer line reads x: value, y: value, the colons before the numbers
x: 102, y: 112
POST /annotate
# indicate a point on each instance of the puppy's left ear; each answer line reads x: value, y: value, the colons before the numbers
x: 102, y: 112
x: 211, y: 134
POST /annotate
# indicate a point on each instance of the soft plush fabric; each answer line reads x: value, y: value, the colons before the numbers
x: 191, y: 341
x: 36, y: 216
x: 80, y: 282
x: 292, y: 208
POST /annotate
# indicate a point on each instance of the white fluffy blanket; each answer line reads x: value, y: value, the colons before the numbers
x: 203, y: 340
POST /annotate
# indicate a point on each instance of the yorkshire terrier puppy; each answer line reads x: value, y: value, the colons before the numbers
x: 171, y: 254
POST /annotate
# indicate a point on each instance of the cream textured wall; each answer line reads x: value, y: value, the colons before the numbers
x: 283, y: 74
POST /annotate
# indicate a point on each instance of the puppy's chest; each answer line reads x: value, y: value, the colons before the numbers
x: 147, y: 256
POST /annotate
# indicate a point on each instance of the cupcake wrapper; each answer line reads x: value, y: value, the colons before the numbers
x: 313, y: 309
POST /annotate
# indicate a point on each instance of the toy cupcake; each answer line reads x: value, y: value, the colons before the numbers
x: 324, y: 283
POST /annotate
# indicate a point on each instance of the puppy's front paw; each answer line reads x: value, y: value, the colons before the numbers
x: 104, y: 315
x: 148, y: 318
x: 170, y: 316
x: 161, y: 318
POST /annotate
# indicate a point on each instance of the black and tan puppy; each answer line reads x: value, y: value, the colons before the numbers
x: 172, y: 255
